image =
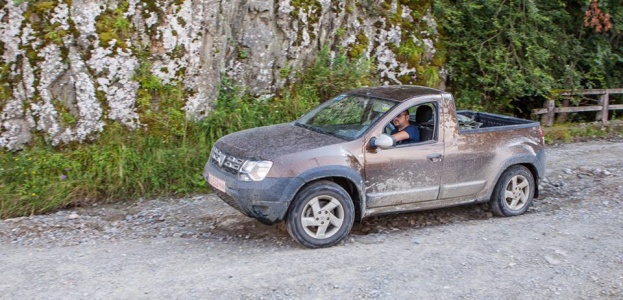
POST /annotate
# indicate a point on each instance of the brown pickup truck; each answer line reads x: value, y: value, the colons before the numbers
x: 339, y: 163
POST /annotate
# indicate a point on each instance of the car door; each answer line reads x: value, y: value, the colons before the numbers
x: 404, y: 174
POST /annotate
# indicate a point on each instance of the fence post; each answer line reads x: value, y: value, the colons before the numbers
x: 603, y: 102
x: 562, y: 117
x: 548, y: 118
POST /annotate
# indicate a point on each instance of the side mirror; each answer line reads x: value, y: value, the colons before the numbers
x: 383, y: 141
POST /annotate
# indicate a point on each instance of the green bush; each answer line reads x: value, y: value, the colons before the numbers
x: 508, y: 54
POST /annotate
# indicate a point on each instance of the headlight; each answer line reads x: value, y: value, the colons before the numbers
x: 255, y: 170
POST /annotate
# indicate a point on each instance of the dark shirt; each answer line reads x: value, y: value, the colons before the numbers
x: 412, y: 131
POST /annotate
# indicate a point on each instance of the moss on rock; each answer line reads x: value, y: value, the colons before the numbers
x: 113, y: 25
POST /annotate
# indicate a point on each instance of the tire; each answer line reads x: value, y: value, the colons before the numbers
x: 321, y: 215
x: 513, y: 192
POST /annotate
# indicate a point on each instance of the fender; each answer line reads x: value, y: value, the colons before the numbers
x: 337, y: 171
x: 538, y: 162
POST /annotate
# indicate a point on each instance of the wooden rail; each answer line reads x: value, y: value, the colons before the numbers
x: 550, y: 110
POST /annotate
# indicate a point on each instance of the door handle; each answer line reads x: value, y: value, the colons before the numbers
x: 434, y: 157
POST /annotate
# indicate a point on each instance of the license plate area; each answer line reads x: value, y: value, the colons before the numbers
x: 217, y: 183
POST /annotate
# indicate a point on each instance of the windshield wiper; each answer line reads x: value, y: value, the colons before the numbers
x: 312, y: 128
x: 319, y: 130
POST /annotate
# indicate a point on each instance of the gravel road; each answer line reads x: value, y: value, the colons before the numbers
x: 569, y: 245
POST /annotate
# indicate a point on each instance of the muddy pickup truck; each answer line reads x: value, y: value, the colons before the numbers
x: 339, y: 164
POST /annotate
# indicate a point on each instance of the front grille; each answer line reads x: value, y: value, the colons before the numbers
x: 226, y: 162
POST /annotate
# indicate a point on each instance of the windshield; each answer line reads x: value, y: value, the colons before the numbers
x: 346, y: 116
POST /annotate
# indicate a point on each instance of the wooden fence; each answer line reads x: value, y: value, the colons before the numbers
x: 602, y: 108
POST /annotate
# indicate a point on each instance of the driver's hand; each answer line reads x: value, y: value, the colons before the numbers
x: 389, y: 128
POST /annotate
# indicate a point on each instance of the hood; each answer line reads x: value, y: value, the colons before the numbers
x: 270, y: 142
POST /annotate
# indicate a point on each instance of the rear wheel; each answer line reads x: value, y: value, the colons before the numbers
x: 513, y: 193
x: 321, y: 215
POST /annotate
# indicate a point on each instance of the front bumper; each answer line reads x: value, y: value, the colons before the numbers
x: 267, y: 200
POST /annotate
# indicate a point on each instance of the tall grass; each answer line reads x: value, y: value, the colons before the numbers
x: 572, y: 132
x: 167, y: 157
x: 120, y: 165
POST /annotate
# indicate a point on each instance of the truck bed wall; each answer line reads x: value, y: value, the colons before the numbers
x: 494, y: 122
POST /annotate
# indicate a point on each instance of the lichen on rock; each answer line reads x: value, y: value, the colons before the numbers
x: 46, y: 115
x: 89, y: 108
x: 10, y: 30
x: 114, y: 69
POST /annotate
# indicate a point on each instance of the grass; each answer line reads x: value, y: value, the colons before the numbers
x: 574, y: 132
x: 165, y: 158
x: 121, y: 165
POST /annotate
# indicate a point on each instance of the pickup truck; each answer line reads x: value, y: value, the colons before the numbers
x: 338, y: 164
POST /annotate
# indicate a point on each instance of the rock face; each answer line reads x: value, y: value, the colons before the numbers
x: 68, y: 68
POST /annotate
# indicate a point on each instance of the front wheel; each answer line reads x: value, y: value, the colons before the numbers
x: 513, y: 193
x: 321, y: 215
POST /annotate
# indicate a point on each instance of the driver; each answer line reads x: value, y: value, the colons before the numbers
x: 404, y: 132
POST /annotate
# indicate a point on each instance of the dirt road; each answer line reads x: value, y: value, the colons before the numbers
x: 568, y: 246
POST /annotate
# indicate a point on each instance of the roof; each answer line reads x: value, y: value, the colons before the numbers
x: 396, y: 92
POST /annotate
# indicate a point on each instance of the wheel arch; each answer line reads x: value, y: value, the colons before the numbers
x: 348, y: 179
x: 520, y: 199
x: 535, y: 175
x: 529, y: 162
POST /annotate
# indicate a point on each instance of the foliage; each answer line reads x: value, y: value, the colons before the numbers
x: 409, y: 17
x: 120, y: 165
x: 5, y: 84
x: 331, y: 76
x: 567, y: 133
x: 113, y: 25
x: 595, y: 18
x: 159, y: 105
x: 411, y: 53
x: 40, y: 12
x: 503, y: 54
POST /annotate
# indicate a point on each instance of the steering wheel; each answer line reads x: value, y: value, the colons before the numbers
x: 389, y: 128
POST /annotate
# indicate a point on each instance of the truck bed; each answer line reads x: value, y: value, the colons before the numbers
x: 471, y: 121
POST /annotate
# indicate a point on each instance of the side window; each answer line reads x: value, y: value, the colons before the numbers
x: 417, y: 121
x: 425, y: 120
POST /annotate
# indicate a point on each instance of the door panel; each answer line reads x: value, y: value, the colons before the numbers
x: 404, y: 174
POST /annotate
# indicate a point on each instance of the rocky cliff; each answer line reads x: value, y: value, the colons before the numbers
x: 68, y: 67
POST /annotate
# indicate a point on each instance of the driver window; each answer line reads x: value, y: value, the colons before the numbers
x: 424, y: 119
x: 414, y: 125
